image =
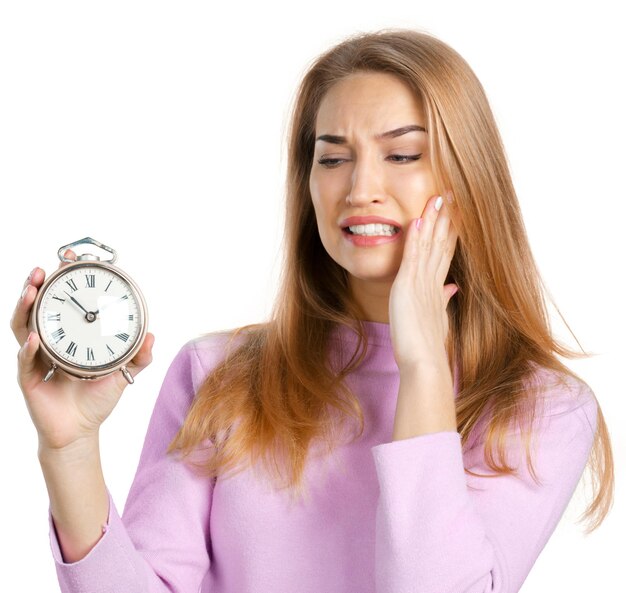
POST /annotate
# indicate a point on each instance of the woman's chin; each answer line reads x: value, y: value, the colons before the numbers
x: 371, y: 273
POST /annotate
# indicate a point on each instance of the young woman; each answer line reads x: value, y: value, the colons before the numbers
x: 409, y: 302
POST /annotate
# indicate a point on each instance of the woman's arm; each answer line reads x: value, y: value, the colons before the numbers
x: 439, y: 530
x: 159, y: 544
x: 79, y: 502
x: 425, y: 402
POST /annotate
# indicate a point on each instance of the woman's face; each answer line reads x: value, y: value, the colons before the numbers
x: 388, y: 177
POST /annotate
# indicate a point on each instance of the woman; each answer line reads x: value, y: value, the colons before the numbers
x: 434, y: 336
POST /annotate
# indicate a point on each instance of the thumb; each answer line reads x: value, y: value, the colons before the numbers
x: 449, y: 291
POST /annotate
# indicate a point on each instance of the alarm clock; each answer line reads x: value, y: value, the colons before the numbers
x: 90, y: 316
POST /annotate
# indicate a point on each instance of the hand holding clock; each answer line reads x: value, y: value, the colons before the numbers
x: 64, y: 410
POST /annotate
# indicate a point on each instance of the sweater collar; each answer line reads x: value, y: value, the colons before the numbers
x: 378, y: 333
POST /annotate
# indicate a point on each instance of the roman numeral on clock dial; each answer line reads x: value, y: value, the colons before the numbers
x: 123, y: 337
x: 71, y: 349
x: 72, y: 284
x: 90, y: 354
x: 58, y: 334
x: 91, y: 280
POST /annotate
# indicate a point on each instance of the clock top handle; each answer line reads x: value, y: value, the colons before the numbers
x: 87, y: 256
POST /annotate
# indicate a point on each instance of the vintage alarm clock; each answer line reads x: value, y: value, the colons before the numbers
x: 90, y: 316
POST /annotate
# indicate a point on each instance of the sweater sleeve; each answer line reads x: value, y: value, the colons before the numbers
x: 161, y: 543
x: 440, y: 531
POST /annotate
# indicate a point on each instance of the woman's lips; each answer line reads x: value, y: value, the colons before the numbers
x: 364, y: 241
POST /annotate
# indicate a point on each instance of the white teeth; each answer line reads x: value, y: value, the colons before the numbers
x: 373, y: 229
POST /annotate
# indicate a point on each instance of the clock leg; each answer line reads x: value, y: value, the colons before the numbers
x: 50, y: 373
x: 127, y: 375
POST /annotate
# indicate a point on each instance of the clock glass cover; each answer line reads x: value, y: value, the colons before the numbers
x: 90, y: 316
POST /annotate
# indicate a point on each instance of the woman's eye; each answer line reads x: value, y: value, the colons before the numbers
x: 329, y: 163
x: 396, y: 158
x: 405, y: 157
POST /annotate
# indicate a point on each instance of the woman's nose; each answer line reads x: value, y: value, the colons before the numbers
x: 367, y: 183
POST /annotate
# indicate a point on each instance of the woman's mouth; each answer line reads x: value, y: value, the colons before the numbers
x: 369, y: 235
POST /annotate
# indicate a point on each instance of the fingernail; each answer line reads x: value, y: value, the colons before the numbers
x: 438, y: 203
x: 32, y: 273
x: 418, y: 223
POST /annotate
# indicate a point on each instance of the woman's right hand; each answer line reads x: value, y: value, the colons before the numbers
x: 65, y: 410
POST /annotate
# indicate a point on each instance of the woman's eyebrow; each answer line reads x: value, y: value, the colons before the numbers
x: 332, y: 139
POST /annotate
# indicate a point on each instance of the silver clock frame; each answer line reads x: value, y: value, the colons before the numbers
x: 77, y: 370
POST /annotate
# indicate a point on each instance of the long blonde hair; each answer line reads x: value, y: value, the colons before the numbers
x: 273, y: 394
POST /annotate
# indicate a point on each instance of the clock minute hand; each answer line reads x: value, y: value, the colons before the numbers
x: 69, y: 295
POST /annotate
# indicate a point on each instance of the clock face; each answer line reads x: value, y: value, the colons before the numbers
x: 90, y: 316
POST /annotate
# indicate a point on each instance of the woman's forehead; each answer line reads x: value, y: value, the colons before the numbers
x: 379, y: 102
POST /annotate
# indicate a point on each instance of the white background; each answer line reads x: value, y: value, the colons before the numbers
x: 158, y: 128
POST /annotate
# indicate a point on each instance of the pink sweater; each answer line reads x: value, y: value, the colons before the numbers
x: 385, y: 516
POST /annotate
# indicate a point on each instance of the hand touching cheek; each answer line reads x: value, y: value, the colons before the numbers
x: 418, y: 298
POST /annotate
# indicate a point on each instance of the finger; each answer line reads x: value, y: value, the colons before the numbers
x: 451, y: 242
x: 410, y: 251
x: 439, y: 241
x: 449, y: 245
x: 441, y: 225
x: 445, y: 236
x: 449, y: 290
x: 19, y: 318
x: 144, y: 355
x: 139, y: 362
x: 429, y: 217
x: 29, y: 370
x: 68, y: 254
x: 446, y: 247
x: 419, y: 242
x: 21, y: 313
x: 433, y: 242
x: 35, y: 277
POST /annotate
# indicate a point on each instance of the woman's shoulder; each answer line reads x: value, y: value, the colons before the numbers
x: 205, y: 351
x: 563, y: 393
x: 209, y: 343
x: 565, y: 407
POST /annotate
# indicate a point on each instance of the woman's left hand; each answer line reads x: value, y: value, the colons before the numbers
x: 418, y: 298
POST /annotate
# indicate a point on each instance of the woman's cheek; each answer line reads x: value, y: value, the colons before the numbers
x: 414, y: 189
